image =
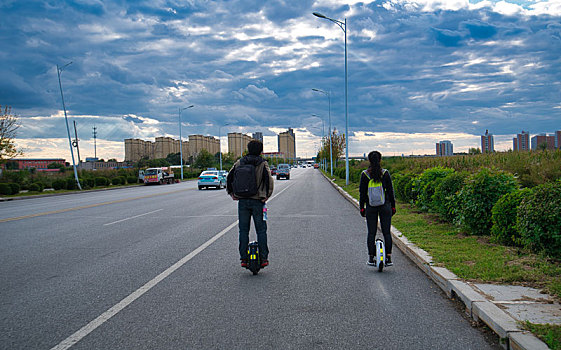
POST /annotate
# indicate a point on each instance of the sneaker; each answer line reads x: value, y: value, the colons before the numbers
x: 264, y: 263
x: 371, y: 261
x: 389, y: 261
x: 244, y: 263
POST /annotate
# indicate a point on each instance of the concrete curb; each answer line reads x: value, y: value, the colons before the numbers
x: 477, y: 306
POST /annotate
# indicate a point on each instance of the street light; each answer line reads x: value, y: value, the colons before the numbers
x: 343, y: 26
x: 322, y: 128
x: 59, y: 70
x: 220, y: 143
x: 328, y: 94
x: 180, y: 139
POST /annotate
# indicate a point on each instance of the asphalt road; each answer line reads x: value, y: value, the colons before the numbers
x: 157, y: 267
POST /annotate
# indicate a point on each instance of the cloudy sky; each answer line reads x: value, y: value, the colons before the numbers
x: 420, y: 71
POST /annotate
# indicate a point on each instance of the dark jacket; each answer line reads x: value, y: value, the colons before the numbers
x: 386, y: 183
x: 263, y: 176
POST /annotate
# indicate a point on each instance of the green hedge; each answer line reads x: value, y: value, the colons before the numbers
x: 116, y: 181
x: 445, y: 200
x: 504, y: 214
x: 403, y: 186
x: 101, y: 181
x: 5, y: 189
x: 426, y: 184
x: 132, y: 179
x: 478, y: 196
x: 15, y: 187
x: 59, y: 184
x: 539, y: 219
x: 36, y: 187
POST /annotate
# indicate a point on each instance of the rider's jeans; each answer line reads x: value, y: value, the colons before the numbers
x: 248, y: 208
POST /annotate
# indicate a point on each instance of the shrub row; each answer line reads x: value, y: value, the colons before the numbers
x: 9, y: 188
x: 489, y: 202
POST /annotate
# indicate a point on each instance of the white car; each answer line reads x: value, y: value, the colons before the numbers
x: 211, y: 178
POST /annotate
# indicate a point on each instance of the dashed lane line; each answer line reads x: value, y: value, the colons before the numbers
x: 88, y: 206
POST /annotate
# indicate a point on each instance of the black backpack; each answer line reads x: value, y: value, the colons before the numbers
x: 245, y: 182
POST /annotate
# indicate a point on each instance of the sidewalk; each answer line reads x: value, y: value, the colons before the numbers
x: 500, y: 307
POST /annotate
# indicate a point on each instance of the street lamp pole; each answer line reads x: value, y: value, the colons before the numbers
x: 220, y: 143
x: 343, y: 26
x: 322, y: 129
x: 328, y: 94
x: 181, y: 139
x: 59, y: 70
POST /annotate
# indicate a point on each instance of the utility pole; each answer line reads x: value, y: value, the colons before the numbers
x: 94, y: 133
x: 75, y: 142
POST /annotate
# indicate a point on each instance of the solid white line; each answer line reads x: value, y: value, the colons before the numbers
x: 132, y: 217
x: 90, y: 327
x: 104, y: 317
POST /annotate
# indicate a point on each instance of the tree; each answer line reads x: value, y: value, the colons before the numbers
x: 474, y: 151
x: 204, y: 160
x: 338, y: 146
x: 174, y: 158
x: 542, y: 146
x: 8, y: 128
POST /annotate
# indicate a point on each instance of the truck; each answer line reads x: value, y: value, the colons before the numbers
x: 283, y: 170
x: 158, y: 176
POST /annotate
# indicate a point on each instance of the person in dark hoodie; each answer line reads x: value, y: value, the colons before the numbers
x: 251, y: 205
x: 376, y: 182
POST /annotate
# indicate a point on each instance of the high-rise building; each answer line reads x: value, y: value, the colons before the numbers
x: 237, y: 143
x: 487, y: 143
x: 287, y: 144
x: 136, y: 149
x: 444, y: 148
x: 258, y: 136
x: 538, y: 140
x: 199, y: 142
x: 521, y: 142
x: 558, y: 139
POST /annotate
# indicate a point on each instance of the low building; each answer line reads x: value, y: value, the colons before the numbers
x: 39, y: 164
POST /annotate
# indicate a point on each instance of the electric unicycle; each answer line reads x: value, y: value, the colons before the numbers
x: 254, y: 261
x: 380, y: 254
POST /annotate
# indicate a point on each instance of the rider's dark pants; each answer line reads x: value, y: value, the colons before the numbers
x: 385, y: 214
x: 248, y: 208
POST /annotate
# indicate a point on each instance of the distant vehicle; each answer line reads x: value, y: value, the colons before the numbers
x: 283, y: 171
x: 157, y: 176
x: 213, y: 178
x: 274, y: 171
x: 316, y: 165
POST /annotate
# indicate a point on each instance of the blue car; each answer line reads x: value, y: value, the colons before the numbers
x: 212, y: 178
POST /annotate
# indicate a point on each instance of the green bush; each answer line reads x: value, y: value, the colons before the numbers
x: 478, y: 196
x: 426, y: 184
x: 539, y: 219
x: 403, y: 187
x: 504, y: 215
x: 5, y: 189
x: 101, y: 181
x: 71, y: 183
x: 15, y: 188
x: 116, y: 181
x: 59, y: 184
x: 133, y: 179
x: 88, y: 182
x: 35, y: 187
x: 445, y: 199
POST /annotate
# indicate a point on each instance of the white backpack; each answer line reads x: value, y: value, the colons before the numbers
x: 376, y: 194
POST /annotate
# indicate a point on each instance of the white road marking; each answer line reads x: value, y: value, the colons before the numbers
x: 104, y: 317
x: 132, y: 217
x: 101, y: 319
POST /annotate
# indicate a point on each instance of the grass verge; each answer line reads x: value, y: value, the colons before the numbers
x: 548, y: 333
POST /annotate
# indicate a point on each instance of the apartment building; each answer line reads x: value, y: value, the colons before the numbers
x: 258, y: 136
x: 521, y: 142
x: 558, y: 139
x: 136, y: 149
x: 487, y: 143
x: 287, y: 143
x: 444, y: 148
x: 538, y: 140
x: 237, y: 143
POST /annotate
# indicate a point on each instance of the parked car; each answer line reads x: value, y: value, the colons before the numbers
x: 283, y: 171
x: 213, y: 178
